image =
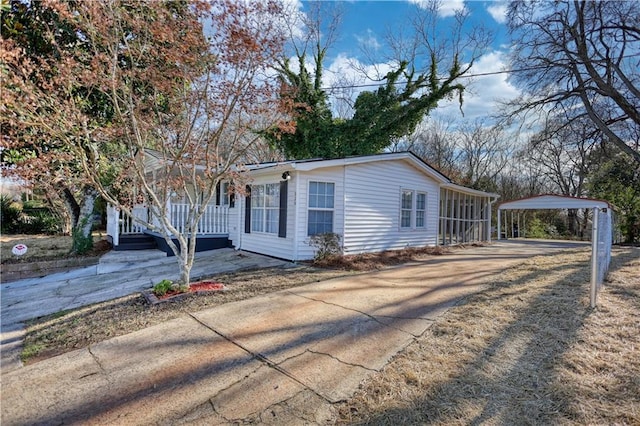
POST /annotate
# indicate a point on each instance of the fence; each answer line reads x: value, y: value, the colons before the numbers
x: 601, y: 239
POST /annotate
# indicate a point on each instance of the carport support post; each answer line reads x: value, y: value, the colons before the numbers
x: 499, y: 216
x: 594, y: 258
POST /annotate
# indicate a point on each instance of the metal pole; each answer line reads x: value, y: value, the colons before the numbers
x: 594, y: 258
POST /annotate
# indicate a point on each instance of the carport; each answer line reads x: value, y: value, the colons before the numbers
x: 601, y: 230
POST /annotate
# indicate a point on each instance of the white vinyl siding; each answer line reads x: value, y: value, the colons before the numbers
x: 262, y: 242
x: 373, y: 204
x: 333, y: 175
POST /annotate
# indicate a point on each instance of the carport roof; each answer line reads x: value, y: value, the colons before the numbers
x: 552, y: 201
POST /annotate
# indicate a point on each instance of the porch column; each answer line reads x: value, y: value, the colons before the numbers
x: 113, y: 228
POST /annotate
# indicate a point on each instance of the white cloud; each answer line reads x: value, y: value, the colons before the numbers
x: 345, y: 72
x: 498, y: 11
x: 484, y: 92
x: 369, y: 41
x: 446, y: 7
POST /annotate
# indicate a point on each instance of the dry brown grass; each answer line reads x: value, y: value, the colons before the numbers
x: 528, y: 350
x: 41, y: 247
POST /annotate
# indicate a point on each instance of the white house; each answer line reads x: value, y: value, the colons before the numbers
x: 375, y: 203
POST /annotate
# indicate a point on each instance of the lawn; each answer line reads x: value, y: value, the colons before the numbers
x: 527, y: 349
x: 39, y: 247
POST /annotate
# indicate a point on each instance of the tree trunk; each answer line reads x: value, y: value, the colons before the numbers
x: 82, y: 239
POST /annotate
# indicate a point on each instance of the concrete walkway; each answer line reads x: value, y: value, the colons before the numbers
x: 118, y: 274
x: 282, y: 358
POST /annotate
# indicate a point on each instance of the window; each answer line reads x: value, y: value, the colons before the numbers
x: 406, y: 209
x: 224, y: 194
x: 421, y: 209
x: 413, y: 209
x: 321, y: 202
x: 265, y: 208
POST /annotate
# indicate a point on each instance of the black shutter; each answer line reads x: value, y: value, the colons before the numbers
x: 232, y: 200
x: 218, y: 194
x: 247, y: 211
x: 282, y: 225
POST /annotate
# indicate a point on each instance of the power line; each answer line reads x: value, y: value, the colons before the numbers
x: 482, y: 74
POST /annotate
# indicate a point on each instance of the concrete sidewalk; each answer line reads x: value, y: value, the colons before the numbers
x: 118, y: 274
x: 282, y: 358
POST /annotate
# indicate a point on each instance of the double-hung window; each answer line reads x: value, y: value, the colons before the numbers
x: 321, y: 204
x: 224, y: 194
x: 265, y: 208
x: 413, y: 209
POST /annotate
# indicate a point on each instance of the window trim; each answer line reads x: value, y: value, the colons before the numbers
x: 264, y: 208
x: 323, y: 209
x: 413, y: 211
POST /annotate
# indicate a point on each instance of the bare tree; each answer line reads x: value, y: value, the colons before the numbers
x: 433, y: 141
x: 485, y: 151
x: 580, y: 58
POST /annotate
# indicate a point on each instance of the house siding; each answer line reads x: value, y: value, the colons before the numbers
x: 372, y: 207
x: 266, y: 243
x: 333, y: 175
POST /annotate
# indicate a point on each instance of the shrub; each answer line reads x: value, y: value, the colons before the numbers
x: 162, y: 287
x: 326, y: 245
x: 81, y: 243
x: 39, y: 221
x: 9, y: 215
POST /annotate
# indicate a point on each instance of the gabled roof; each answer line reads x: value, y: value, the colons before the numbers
x: 553, y: 201
x: 314, y: 164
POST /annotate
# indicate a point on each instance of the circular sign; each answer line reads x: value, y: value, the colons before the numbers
x: 19, y: 249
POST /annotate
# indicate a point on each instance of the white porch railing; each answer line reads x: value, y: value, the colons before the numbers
x: 215, y: 220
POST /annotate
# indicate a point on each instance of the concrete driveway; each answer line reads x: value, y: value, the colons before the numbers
x: 282, y: 358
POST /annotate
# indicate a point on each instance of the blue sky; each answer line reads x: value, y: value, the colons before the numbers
x: 367, y: 22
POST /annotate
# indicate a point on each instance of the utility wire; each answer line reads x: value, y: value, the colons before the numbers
x: 481, y: 74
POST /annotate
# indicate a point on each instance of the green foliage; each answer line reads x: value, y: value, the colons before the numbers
x: 39, y: 221
x: 536, y: 229
x: 161, y: 288
x: 617, y: 180
x: 165, y: 286
x: 9, y: 215
x: 326, y: 245
x: 381, y: 117
x: 81, y: 243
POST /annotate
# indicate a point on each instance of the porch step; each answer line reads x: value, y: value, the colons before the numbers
x: 136, y: 242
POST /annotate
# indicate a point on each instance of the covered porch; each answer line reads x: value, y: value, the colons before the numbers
x: 465, y: 215
x: 130, y: 232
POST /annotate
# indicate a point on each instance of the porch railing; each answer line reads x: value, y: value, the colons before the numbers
x: 215, y: 220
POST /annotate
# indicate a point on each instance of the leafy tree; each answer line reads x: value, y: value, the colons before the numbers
x: 407, y: 93
x: 39, y: 155
x: 618, y: 181
x: 182, y: 107
x: 579, y: 60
